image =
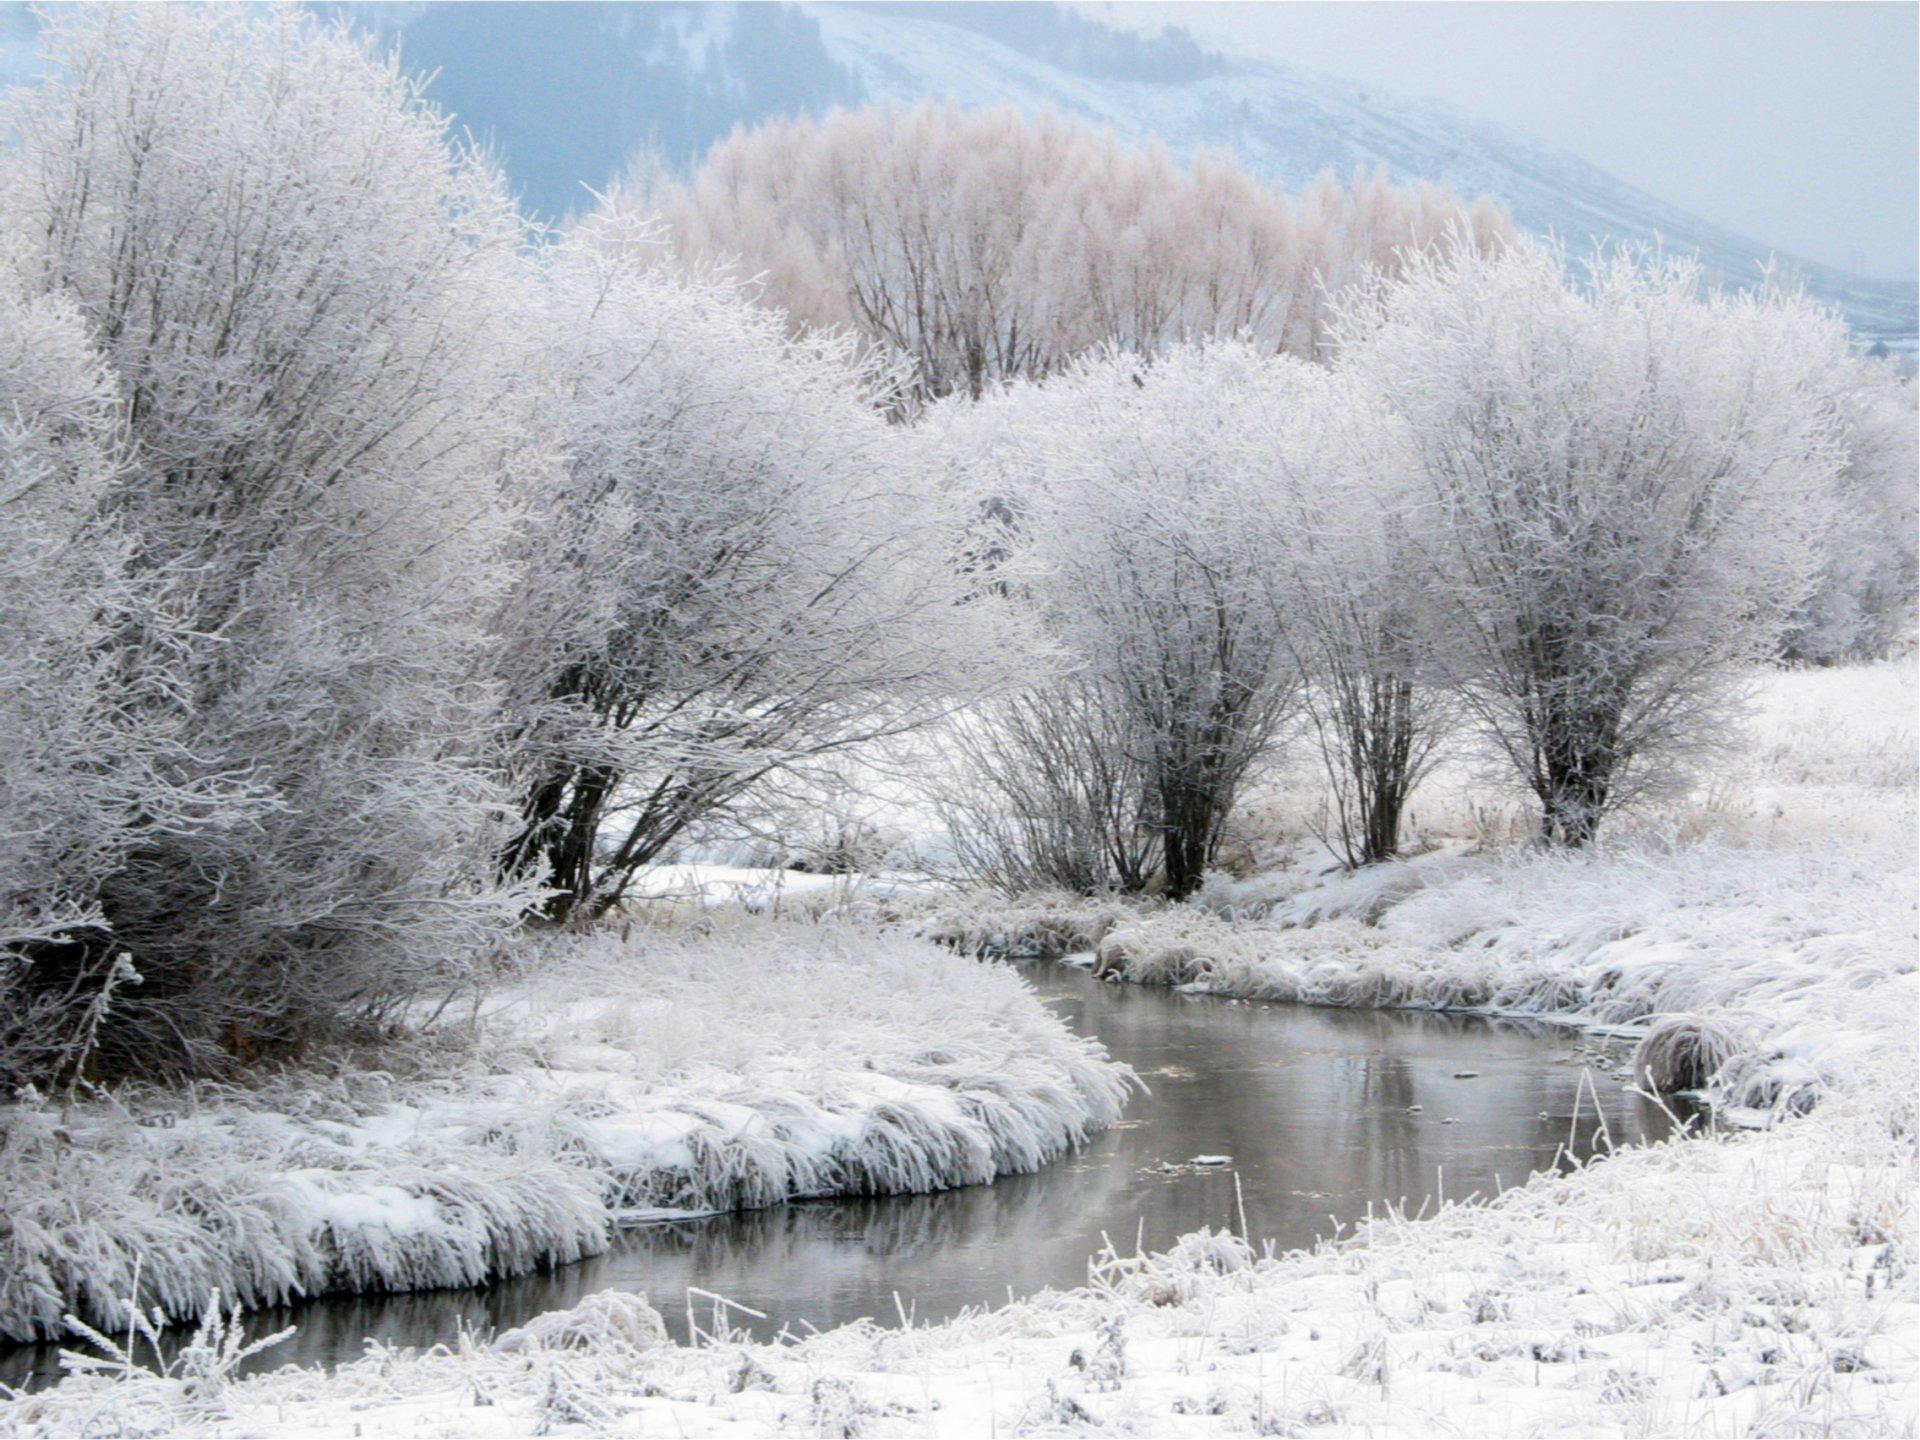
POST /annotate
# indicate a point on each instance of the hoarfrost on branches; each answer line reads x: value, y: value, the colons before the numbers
x: 67, y: 771
x: 290, y: 274
x: 1137, y: 492
x: 736, y: 572
x: 1620, y: 493
x: 984, y: 246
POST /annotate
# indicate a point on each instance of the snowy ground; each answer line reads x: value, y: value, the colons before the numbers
x: 1756, y: 1282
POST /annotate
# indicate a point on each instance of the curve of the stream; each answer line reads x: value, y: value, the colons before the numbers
x: 1305, y: 1119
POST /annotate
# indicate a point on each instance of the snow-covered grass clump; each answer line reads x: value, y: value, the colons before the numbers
x: 1030, y: 927
x: 607, y: 1079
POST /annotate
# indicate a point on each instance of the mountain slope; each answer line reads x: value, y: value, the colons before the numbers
x: 568, y: 92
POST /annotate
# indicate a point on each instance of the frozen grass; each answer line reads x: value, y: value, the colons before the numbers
x: 699, y: 1073
x: 1031, y: 927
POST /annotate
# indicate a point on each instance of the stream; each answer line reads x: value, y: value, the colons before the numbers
x: 1319, y: 1115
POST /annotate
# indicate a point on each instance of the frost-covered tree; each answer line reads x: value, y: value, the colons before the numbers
x: 1621, y: 488
x: 986, y: 245
x: 738, y: 571
x: 1138, y: 489
x: 1863, y: 602
x: 65, y: 816
x: 1042, y: 788
x: 1339, y: 470
x: 1046, y: 790
x: 290, y: 273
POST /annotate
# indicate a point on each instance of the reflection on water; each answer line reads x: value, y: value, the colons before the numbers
x: 1325, y: 1112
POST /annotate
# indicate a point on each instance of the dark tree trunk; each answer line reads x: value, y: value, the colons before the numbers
x: 1186, y: 863
x: 1574, y: 773
x: 1381, y: 730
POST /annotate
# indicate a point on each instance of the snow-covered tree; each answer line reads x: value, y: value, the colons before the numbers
x: 738, y: 571
x: 986, y: 245
x: 1339, y: 471
x: 290, y: 273
x: 1863, y: 602
x: 1046, y: 790
x: 1622, y: 487
x: 65, y: 820
x: 1138, y: 489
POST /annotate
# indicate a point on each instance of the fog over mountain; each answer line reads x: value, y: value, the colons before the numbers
x: 570, y: 92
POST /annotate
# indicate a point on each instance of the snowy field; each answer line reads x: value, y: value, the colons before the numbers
x: 1759, y: 1281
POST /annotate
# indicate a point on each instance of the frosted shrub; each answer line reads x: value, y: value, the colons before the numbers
x: 1618, y: 501
x: 294, y: 281
x: 1862, y: 606
x: 1352, y: 593
x: 986, y: 246
x: 71, y: 770
x: 1052, y: 794
x: 733, y: 574
x: 1137, y: 489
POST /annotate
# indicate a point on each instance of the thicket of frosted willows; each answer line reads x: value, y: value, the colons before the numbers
x: 987, y: 246
x: 379, y: 574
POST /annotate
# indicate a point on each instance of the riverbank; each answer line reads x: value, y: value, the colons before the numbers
x: 603, y: 1080
x: 1765, y: 979
x: 1758, y: 1283
x: 1758, y: 937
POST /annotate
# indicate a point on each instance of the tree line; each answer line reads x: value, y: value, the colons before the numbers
x: 380, y: 575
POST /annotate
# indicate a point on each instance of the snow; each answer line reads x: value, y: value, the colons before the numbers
x: 1750, y: 1282
x: 378, y: 1207
x: 1755, y: 1283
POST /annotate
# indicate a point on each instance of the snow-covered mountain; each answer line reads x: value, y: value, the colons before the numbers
x: 568, y: 91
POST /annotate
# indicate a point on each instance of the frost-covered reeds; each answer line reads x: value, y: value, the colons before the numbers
x: 263, y: 1208
x: 693, y: 1074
